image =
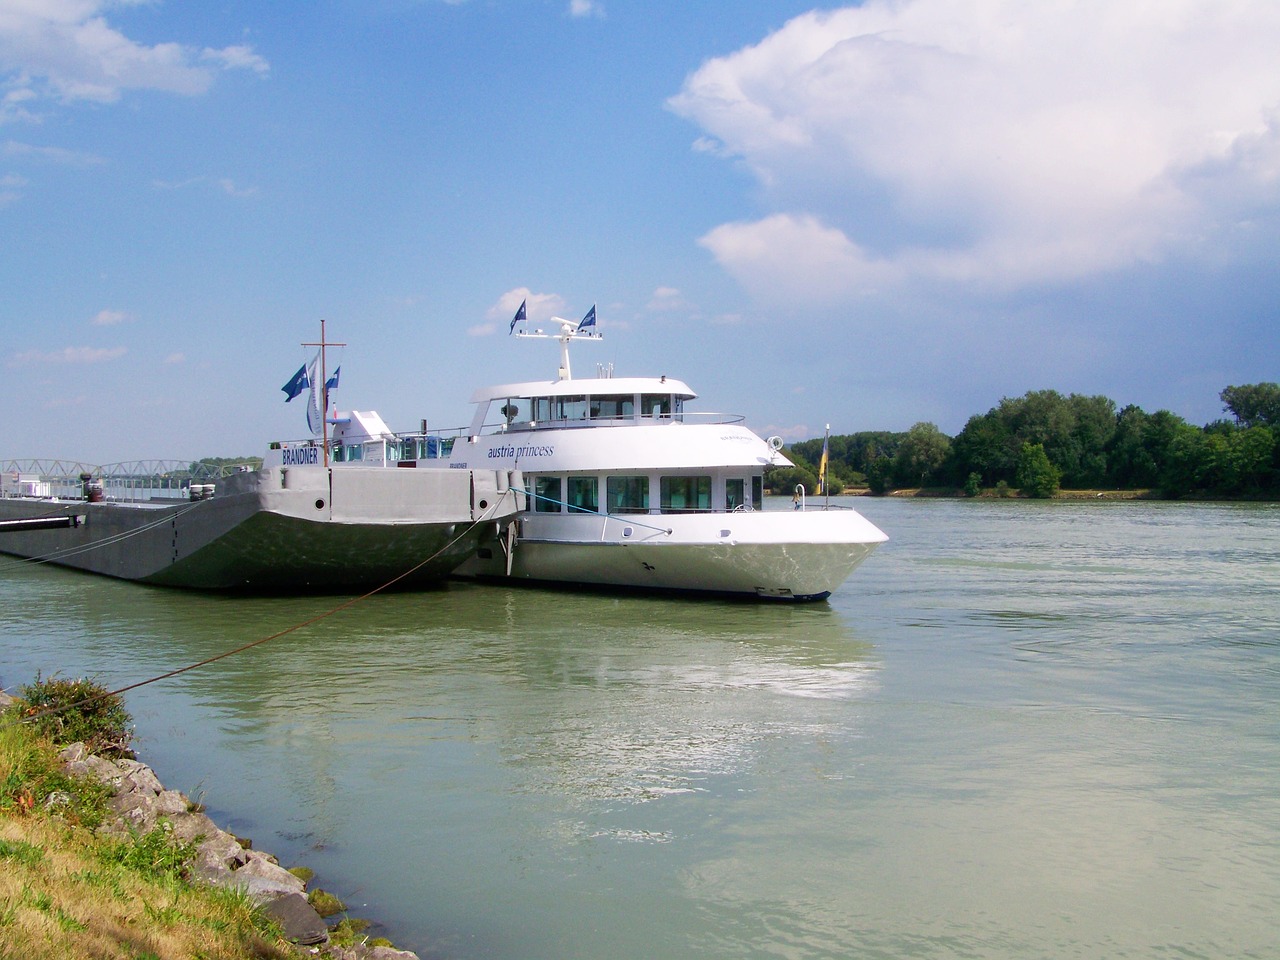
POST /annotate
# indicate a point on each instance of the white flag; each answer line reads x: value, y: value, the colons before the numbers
x: 315, y: 418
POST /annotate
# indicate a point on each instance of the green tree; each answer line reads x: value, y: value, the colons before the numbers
x: 921, y: 453
x: 985, y: 446
x: 1186, y: 462
x: 879, y: 475
x: 1037, y: 477
x: 783, y: 480
x: 1254, y: 404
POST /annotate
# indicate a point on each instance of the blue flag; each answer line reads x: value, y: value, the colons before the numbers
x: 520, y: 317
x: 589, y: 320
x: 299, y: 383
x: 332, y: 382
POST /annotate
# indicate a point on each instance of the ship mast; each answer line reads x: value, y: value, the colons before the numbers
x: 568, y: 331
x: 324, y: 389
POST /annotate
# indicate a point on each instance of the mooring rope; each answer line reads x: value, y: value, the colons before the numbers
x: 484, y: 518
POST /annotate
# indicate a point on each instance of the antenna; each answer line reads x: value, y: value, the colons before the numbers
x: 568, y: 331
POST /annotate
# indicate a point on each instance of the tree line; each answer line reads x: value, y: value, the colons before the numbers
x: 1043, y: 441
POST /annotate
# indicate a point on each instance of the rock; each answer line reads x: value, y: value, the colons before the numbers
x: 135, y: 810
x: 260, y: 866
x: 260, y: 889
x: 297, y: 919
x: 72, y: 752
x: 138, y: 776
x: 189, y: 827
x: 170, y: 803
x: 213, y: 872
x: 219, y: 847
x: 94, y: 766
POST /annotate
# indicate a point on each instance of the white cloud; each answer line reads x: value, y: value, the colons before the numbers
x: 225, y: 184
x: 109, y: 318
x: 58, y: 155
x: 66, y: 50
x: 991, y: 142
x: 11, y: 185
x: 585, y: 8
x: 666, y: 299
x: 175, y: 358
x: 237, y: 58
x: 68, y: 355
x: 539, y: 306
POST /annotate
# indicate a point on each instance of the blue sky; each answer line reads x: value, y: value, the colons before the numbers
x: 867, y: 216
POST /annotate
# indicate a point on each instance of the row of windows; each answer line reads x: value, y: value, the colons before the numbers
x: 547, y: 409
x: 401, y: 448
x: 630, y: 494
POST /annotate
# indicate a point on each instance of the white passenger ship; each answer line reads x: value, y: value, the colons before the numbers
x: 628, y: 488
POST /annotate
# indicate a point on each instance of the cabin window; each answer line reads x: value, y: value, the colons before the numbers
x: 734, y: 493
x: 516, y: 410
x: 546, y: 494
x: 628, y: 494
x: 757, y: 492
x: 612, y: 408
x: 570, y: 408
x: 584, y: 495
x: 686, y: 494
x: 655, y: 406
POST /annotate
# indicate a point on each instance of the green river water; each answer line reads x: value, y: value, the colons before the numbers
x: 1020, y: 730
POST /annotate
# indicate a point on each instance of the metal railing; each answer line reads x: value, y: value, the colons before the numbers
x: 130, y: 480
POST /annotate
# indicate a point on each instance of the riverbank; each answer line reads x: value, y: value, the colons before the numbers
x: 93, y: 845
x: 1010, y: 493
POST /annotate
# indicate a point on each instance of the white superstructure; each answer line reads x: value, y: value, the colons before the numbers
x: 627, y: 488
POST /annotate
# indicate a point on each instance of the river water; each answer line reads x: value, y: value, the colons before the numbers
x: 1020, y: 730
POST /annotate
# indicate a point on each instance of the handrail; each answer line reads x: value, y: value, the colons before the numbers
x: 126, y: 480
x: 135, y: 469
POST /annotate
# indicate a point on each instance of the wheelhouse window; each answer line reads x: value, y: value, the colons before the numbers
x: 546, y: 491
x: 757, y: 492
x: 686, y: 494
x: 571, y: 408
x: 583, y: 495
x: 612, y: 408
x: 655, y: 405
x: 516, y: 410
x: 734, y: 493
x: 627, y: 494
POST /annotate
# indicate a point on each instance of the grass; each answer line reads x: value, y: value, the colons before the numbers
x: 67, y: 893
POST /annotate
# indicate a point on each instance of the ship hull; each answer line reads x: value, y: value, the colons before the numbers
x: 773, y: 556
x: 279, y: 529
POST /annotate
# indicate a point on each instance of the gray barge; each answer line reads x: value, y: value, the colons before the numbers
x: 294, y: 529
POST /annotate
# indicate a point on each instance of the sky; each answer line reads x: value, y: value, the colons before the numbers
x: 865, y: 216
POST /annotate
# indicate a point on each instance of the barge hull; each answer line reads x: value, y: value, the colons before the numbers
x: 278, y: 529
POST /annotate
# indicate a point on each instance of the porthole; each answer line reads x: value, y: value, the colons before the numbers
x: 319, y: 504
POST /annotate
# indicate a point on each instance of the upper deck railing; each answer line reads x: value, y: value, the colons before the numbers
x: 131, y: 480
x: 438, y: 444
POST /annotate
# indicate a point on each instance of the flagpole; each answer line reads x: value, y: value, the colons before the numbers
x: 826, y: 466
x: 324, y: 390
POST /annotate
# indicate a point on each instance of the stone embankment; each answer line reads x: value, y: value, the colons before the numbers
x: 142, y: 804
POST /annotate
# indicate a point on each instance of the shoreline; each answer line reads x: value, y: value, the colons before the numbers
x: 952, y: 493
x: 139, y: 804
